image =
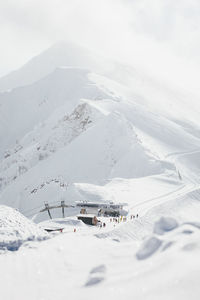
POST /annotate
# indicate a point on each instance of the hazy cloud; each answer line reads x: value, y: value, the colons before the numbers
x: 160, y: 35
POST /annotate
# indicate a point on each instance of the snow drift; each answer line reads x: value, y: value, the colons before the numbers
x: 15, y: 229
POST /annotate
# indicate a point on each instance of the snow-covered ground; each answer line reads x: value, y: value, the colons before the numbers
x: 85, y: 129
x: 16, y: 230
x: 108, y: 262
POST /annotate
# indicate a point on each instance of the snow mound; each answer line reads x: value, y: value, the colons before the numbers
x: 164, y: 225
x: 15, y: 229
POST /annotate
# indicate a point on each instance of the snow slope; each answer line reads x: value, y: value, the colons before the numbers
x: 15, y: 230
x: 73, y: 128
x: 24, y: 108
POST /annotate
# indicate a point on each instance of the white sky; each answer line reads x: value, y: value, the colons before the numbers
x: 163, y: 36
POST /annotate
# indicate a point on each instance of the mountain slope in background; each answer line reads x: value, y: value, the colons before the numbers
x: 61, y: 54
x: 85, y: 127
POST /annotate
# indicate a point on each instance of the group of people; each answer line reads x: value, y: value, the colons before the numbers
x: 102, y: 225
x: 134, y: 216
x: 119, y: 219
x: 123, y: 218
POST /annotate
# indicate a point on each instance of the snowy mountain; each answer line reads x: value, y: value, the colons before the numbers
x: 74, y: 127
x: 60, y: 54
x: 83, y: 127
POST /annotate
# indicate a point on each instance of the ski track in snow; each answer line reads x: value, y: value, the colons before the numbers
x: 144, y: 207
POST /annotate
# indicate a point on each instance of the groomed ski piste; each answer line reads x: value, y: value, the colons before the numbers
x: 88, y: 135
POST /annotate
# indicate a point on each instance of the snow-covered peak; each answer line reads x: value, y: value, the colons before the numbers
x: 60, y: 54
x: 27, y: 107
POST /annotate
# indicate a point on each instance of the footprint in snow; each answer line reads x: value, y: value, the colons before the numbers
x: 148, y: 248
x: 98, y: 269
x: 96, y: 276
